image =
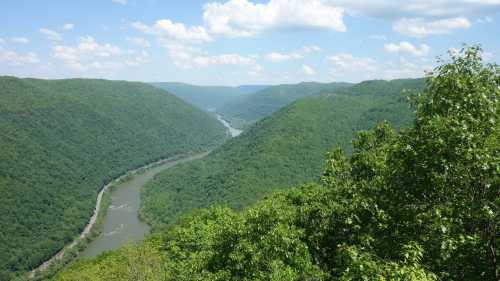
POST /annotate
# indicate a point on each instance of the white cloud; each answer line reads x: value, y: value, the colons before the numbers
x: 2, y: 41
x: 349, y: 63
x: 403, y: 69
x: 406, y: 47
x: 299, y: 54
x: 311, y: 49
x: 88, y: 54
x: 245, y: 18
x: 347, y: 67
x: 275, y: 56
x: 224, y: 59
x: 122, y: 2
x: 186, y: 57
x: 20, y: 40
x: 141, y: 42
x: 167, y: 30
x: 419, y: 27
x: 51, y: 34
x: 308, y: 70
x: 138, y: 58
x: 13, y: 58
x: 396, y: 9
x: 68, y: 26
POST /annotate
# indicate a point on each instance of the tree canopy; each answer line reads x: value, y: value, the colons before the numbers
x: 418, y: 205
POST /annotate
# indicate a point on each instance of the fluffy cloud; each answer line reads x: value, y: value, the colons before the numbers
x: 166, y: 30
x: 138, y: 41
x: 137, y: 58
x: 419, y: 27
x: 346, y: 67
x: 68, y: 26
x: 13, y: 58
x: 276, y: 56
x: 186, y: 57
x: 121, y: 2
x: 20, y: 40
x: 348, y: 63
x: 88, y: 54
x: 308, y: 70
x: 245, y: 18
x: 406, y: 47
x: 396, y: 9
x: 51, y: 34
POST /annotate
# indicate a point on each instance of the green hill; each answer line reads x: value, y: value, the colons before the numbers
x: 61, y: 140
x: 247, y: 110
x: 206, y: 97
x: 421, y: 204
x: 279, y: 151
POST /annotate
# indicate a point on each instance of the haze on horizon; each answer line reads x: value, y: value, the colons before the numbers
x: 239, y: 41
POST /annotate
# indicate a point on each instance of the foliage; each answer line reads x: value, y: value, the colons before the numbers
x: 280, y: 151
x: 62, y: 140
x: 419, y: 205
x: 248, y: 109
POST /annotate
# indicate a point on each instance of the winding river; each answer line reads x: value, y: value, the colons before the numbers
x: 121, y: 223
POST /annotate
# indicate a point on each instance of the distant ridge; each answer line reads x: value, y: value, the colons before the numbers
x: 279, y: 151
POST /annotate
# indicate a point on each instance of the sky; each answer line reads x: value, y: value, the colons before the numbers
x: 235, y: 42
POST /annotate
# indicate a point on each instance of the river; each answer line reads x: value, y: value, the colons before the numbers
x: 121, y: 223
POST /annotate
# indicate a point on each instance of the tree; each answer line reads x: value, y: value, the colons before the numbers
x: 437, y: 184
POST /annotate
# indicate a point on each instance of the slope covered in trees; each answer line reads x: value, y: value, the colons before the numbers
x: 247, y: 110
x: 206, y: 97
x: 61, y: 140
x: 280, y: 151
x: 419, y: 205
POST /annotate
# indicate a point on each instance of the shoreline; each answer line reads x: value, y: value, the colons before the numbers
x: 87, y: 231
x: 97, y: 210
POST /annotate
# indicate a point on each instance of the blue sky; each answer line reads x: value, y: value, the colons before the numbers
x: 240, y: 41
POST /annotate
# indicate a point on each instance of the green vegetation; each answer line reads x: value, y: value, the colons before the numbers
x: 248, y: 109
x: 280, y: 151
x: 419, y: 205
x: 205, y: 97
x: 63, y: 140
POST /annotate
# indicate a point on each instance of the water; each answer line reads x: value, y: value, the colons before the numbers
x: 234, y: 132
x: 121, y: 223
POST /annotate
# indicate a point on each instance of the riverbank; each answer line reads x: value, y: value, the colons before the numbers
x: 82, y: 242
x: 66, y: 254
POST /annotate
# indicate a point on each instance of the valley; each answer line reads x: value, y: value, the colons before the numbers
x: 122, y: 223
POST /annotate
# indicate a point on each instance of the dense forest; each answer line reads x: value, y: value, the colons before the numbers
x: 246, y: 110
x: 280, y: 151
x: 421, y: 204
x: 207, y: 97
x: 61, y: 140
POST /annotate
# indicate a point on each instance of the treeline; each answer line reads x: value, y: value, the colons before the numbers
x: 248, y: 109
x: 418, y: 205
x: 278, y: 152
x: 62, y: 140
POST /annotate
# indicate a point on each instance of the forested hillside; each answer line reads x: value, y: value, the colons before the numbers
x: 419, y: 205
x: 280, y: 151
x: 61, y: 140
x: 247, y: 110
x: 206, y: 97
